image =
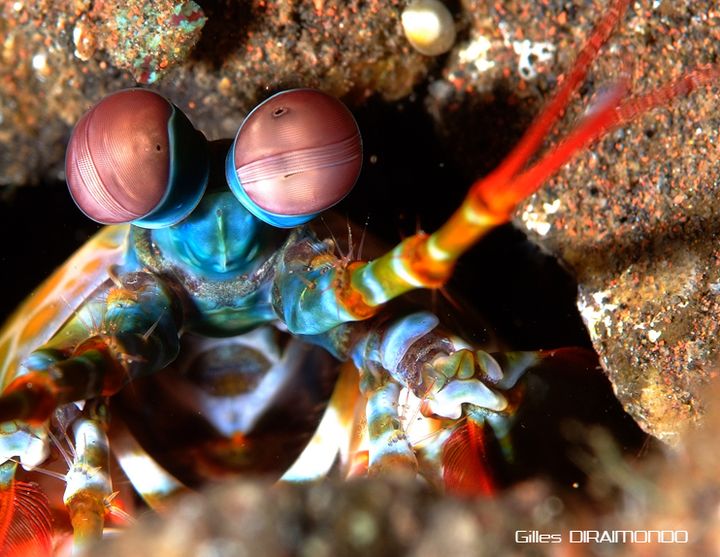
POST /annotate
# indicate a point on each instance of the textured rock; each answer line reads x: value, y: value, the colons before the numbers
x: 635, y: 219
x: 144, y: 38
x: 634, y: 216
x: 60, y: 56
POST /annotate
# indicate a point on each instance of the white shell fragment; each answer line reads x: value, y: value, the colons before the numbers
x: 428, y: 26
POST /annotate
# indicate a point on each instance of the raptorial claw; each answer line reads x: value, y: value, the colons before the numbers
x: 466, y: 463
x: 448, y: 401
x: 466, y: 377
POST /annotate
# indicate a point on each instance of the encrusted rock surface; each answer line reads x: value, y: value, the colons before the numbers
x: 60, y: 56
x: 633, y: 217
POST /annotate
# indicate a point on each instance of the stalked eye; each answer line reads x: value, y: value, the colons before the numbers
x: 135, y: 157
x: 295, y: 155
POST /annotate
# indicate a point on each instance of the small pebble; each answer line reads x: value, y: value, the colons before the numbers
x: 429, y: 27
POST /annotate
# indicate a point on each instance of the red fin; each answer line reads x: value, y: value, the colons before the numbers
x: 25, y: 523
x: 466, y: 468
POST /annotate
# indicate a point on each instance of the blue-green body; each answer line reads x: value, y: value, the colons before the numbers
x: 207, y: 304
x: 219, y: 273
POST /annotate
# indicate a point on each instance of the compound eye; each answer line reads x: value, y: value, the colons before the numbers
x: 295, y: 155
x: 135, y: 157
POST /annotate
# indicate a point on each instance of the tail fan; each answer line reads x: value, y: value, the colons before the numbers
x: 466, y: 462
x: 25, y: 522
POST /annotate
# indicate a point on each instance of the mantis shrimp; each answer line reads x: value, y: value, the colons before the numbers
x: 220, y: 276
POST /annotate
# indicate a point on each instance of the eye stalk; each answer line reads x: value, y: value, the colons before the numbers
x: 135, y: 157
x: 294, y: 156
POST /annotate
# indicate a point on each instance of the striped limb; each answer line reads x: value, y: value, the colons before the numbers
x: 88, y: 485
x: 458, y: 455
x: 455, y: 430
x: 121, y: 333
x: 389, y: 450
x: 25, y: 521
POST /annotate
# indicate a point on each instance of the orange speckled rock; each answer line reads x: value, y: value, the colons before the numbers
x: 60, y: 56
x: 634, y: 217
